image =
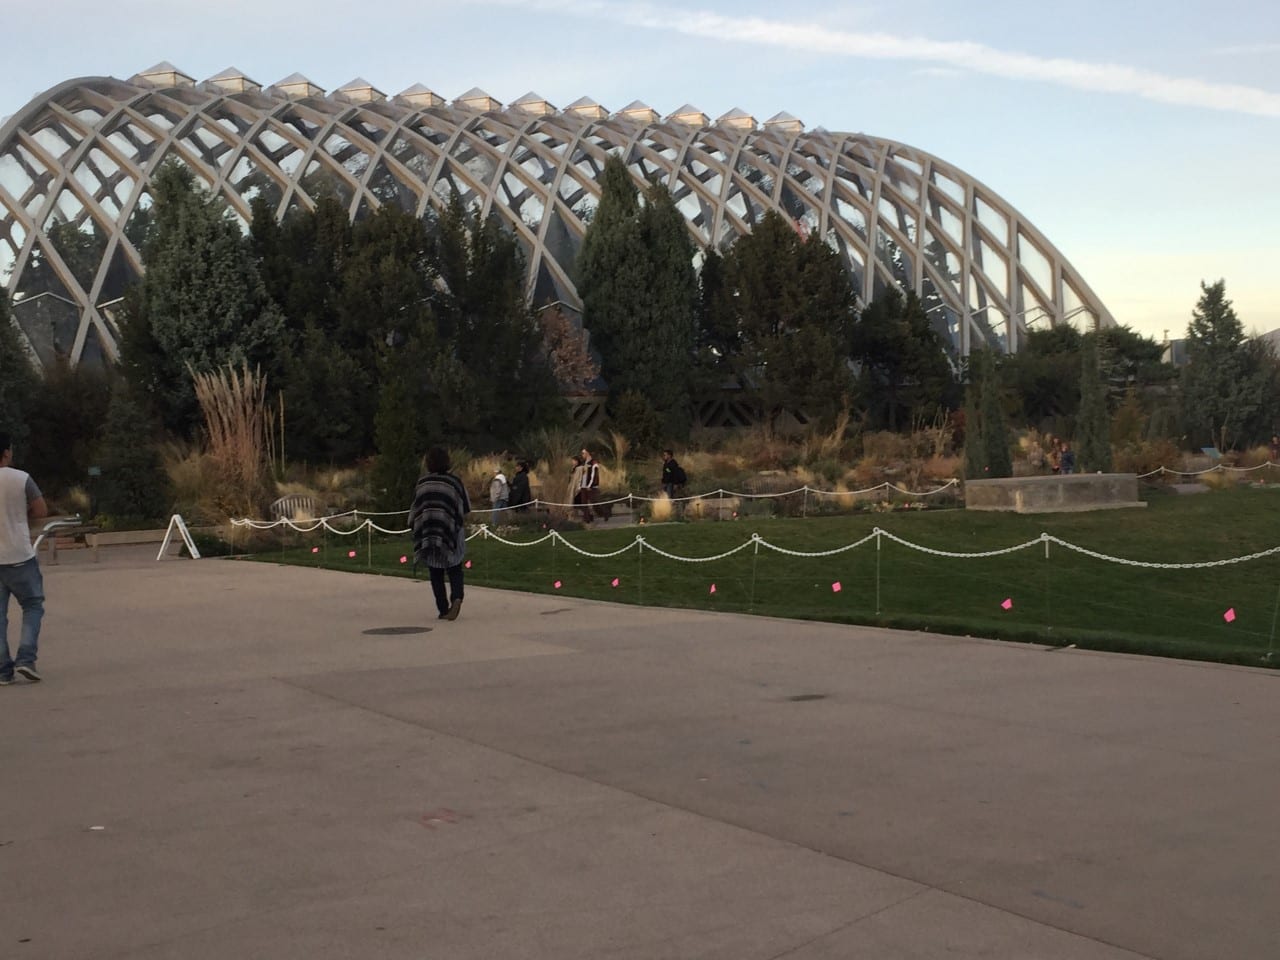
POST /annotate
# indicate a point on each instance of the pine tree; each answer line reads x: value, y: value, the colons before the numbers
x: 639, y: 293
x: 134, y: 485
x: 200, y: 304
x: 1225, y: 384
x: 986, y: 446
x: 1093, y: 429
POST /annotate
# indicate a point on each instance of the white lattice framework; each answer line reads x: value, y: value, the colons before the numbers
x: 76, y: 163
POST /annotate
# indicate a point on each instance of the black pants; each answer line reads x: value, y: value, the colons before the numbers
x: 437, y: 584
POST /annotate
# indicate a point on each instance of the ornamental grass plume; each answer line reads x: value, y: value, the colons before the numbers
x: 239, y: 432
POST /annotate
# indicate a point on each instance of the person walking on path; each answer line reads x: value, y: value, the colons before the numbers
x: 438, y: 521
x: 1067, y: 459
x: 20, y: 502
x: 590, y: 484
x: 499, y: 496
x: 673, y: 475
x: 520, y: 492
x: 574, y: 496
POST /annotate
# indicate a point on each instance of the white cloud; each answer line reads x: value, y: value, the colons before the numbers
x: 957, y: 54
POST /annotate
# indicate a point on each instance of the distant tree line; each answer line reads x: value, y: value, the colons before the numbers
x: 380, y: 335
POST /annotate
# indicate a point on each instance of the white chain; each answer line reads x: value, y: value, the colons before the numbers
x: 756, y: 540
x: 1202, y: 565
x: 955, y: 554
x: 800, y: 553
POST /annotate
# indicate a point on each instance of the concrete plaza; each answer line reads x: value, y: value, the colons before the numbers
x: 231, y: 759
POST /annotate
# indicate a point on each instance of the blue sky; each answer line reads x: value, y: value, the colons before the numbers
x: 1142, y: 138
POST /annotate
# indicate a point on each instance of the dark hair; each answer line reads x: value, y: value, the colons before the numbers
x: 668, y: 453
x: 438, y: 460
x: 5, y: 441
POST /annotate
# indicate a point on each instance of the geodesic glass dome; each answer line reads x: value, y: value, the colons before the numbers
x: 75, y: 168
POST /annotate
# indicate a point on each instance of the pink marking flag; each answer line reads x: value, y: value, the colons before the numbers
x: 351, y: 553
x: 467, y: 564
x: 404, y: 559
x: 836, y: 587
x: 1230, y: 615
x: 713, y: 588
x: 613, y: 582
x: 1008, y: 603
x: 557, y: 584
x: 315, y: 549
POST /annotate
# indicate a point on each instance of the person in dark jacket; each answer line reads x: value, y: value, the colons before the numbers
x: 438, y: 521
x: 673, y: 475
x: 520, y: 494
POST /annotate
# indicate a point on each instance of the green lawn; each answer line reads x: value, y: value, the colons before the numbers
x: 1064, y: 598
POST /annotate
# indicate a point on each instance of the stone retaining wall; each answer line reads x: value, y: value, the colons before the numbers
x: 1054, y: 494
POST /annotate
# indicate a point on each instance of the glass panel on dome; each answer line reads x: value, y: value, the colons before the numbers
x: 950, y: 222
x: 54, y: 142
x: 120, y: 274
x: 13, y: 178
x: 948, y: 186
x: 532, y: 210
x: 103, y: 162
x: 992, y: 219
x: 993, y: 265
x: 560, y: 243
x: 135, y: 230
x: 852, y: 215
x: 67, y: 208
x: 321, y: 180
x: 1035, y: 263
x: 390, y: 189
x: 852, y: 180
x: 736, y: 205
x: 290, y: 160
x: 80, y: 249
x: 942, y: 257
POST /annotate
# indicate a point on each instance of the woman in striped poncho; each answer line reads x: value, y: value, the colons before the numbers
x: 438, y: 520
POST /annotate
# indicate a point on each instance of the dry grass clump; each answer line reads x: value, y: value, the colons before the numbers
x: 940, y: 467
x: 661, y: 509
x: 239, y: 433
x: 1147, y: 455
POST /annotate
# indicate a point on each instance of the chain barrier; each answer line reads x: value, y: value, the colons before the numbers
x: 1216, y: 468
x: 640, y: 543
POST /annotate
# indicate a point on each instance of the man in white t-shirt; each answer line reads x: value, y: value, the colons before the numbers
x: 20, y: 503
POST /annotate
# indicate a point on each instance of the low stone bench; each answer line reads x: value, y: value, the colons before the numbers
x: 1071, y: 493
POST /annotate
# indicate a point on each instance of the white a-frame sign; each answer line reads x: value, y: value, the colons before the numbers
x: 177, y: 521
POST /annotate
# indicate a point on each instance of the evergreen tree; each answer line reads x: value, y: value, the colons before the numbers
x: 486, y: 325
x: 134, y: 485
x: 398, y: 428
x: 201, y: 302
x: 1093, y: 428
x: 18, y: 378
x: 1225, y: 381
x: 904, y: 362
x: 639, y: 292
x: 986, y: 446
x: 790, y: 307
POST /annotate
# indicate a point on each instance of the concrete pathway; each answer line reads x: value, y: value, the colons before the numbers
x: 233, y: 759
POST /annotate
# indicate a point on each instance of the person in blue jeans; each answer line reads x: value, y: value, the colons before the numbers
x: 20, y: 503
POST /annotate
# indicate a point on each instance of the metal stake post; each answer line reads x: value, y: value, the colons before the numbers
x: 877, y: 571
x: 755, y: 555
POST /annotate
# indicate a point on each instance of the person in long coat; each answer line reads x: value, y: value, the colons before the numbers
x: 438, y: 521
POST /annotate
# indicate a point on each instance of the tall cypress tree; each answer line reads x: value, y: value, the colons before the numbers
x: 1093, y: 440
x: 639, y: 294
x: 986, y: 445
